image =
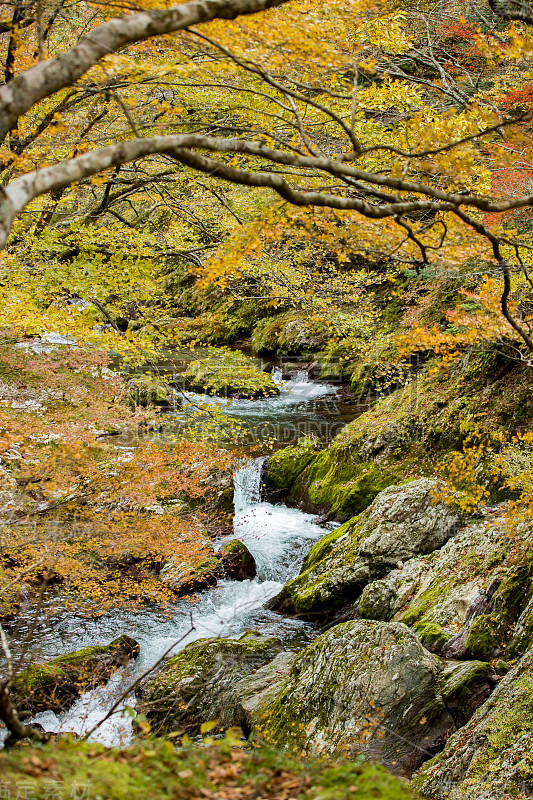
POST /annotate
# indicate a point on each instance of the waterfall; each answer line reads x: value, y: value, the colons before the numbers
x: 247, y: 485
x: 277, y: 375
x: 278, y: 537
x: 300, y: 376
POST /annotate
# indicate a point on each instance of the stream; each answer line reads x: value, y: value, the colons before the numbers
x: 278, y: 537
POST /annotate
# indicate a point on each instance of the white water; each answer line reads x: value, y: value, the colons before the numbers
x: 293, y: 392
x: 278, y: 538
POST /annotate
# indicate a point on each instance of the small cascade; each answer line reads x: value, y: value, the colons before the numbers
x: 300, y: 376
x: 247, y: 485
x: 279, y: 539
x: 277, y: 375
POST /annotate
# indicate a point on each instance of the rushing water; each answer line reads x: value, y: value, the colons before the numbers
x: 277, y: 536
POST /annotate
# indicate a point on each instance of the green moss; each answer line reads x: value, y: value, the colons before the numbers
x: 337, y: 481
x: 431, y: 635
x: 424, y: 603
x: 286, y: 465
x: 153, y: 770
x: 319, y: 588
x: 54, y: 684
x: 227, y: 373
x: 188, y: 688
x: 483, y: 638
x: 145, y: 390
x: 458, y: 679
x: 376, y: 599
x: 325, y: 545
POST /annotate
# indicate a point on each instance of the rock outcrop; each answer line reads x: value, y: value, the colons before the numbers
x: 403, y: 522
x: 492, y: 755
x: 369, y: 687
x: 193, y: 687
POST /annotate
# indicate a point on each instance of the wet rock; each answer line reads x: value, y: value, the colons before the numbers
x: 402, y: 522
x: 236, y: 561
x: 362, y: 687
x: 56, y: 685
x: 254, y: 692
x: 492, y: 755
x: 192, y: 688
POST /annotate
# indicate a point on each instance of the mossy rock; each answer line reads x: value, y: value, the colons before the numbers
x: 465, y: 685
x: 362, y: 687
x: 229, y: 374
x: 56, y: 685
x: 236, y: 561
x: 340, y: 484
x: 492, y: 754
x: 432, y: 635
x: 402, y: 522
x: 376, y: 601
x: 191, y: 687
x: 186, y: 577
x: 484, y: 638
x: 156, y: 770
x: 283, y: 468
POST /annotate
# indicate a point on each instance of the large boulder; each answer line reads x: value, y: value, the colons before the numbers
x: 283, y: 468
x: 402, y: 522
x: 236, y: 561
x: 463, y: 599
x: 56, y: 685
x: 233, y: 560
x: 369, y: 687
x: 492, y: 755
x: 337, y: 482
x: 192, y: 688
x: 149, y: 390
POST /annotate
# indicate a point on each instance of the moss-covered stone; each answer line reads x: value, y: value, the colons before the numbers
x: 187, y: 577
x: 432, y: 636
x: 285, y: 466
x: 155, y: 770
x: 55, y: 685
x: 465, y: 685
x: 236, y: 561
x: 376, y: 600
x: 191, y: 687
x: 492, y: 755
x: 339, y: 483
x: 483, y: 640
x: 362, y: 687
x: 402, y: 522
x: 229, y: 374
